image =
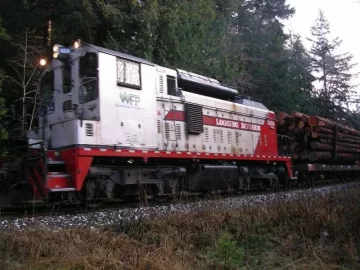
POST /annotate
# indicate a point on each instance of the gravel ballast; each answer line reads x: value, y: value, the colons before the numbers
x: 108, y: 217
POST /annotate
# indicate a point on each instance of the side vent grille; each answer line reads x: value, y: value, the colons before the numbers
x: 194, y: 118
x: 161, y: 84
x: 206, y: 134
x: 237, y: 135
x: 178, y: 132
x: 89, y: 129
x: 159, y: 126
x: 221, y: 136
x: 167, y: 131
x: 214, y: 135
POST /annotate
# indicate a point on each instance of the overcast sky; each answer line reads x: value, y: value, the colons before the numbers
x: 344, y: 19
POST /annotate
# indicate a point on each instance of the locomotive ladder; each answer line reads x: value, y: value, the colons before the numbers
x: 170, y: 127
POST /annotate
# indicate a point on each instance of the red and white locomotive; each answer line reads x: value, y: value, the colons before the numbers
x: 111, y: 125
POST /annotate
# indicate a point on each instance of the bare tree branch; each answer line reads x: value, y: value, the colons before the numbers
x: 25, y: 66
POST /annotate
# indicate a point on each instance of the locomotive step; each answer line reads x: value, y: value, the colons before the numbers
x: 57, y: 174
x: 62, y: 189
x: 56, y: 162
x: 59, y: 182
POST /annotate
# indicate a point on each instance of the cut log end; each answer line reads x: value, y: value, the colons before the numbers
x: 313, y: 121
x: 314, y: 135
x: 300, y: 125
x: 283, y: 116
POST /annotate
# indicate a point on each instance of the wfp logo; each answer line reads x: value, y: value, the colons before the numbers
x: 131, y: 99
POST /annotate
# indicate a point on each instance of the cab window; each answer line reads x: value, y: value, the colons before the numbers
x: 66, y: 72
x: 128, y: 73
x: 47, y: 88
x: 89, y: 89
x: 171, y: 85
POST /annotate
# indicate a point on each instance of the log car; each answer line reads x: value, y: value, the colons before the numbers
x: 323, y: 149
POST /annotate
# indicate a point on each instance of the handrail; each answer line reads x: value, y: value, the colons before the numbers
x: 284, y: 143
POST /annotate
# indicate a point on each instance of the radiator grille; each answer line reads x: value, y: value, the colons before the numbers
x: 167, y: 131
x: 229, y: 137
x: 159, y: 126
x: 89, y: 129
x: 221, y: 136
x: 194, y: 118
x: 161, y: 84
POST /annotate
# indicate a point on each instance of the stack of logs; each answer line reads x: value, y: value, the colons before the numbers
x: 319, y: 139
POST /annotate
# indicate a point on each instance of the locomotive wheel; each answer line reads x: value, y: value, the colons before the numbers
x: 275, y: 185
x: 265, y: 185
x: 89, y: 194
x: 160, y: 198
x: 242, y: 185
x: 89, y: 203
x: 157, y: 197
x: 171, y: 187
x: 311, y: 180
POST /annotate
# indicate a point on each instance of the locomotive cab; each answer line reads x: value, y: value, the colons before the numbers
x: 69, y: 97
x: 94, y: 96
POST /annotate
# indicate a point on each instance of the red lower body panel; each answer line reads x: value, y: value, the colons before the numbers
x: 78, y: 160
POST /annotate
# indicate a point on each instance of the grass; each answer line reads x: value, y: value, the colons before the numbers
x: 311, y: 233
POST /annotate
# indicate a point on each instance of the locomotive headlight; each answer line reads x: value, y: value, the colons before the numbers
x: 61, y: 52
x: 55, y: 51
x: 42, y: 62
x: 77, y: 44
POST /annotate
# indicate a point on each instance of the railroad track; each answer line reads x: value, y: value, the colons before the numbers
x: 64, y: 209
x: 126, y: 214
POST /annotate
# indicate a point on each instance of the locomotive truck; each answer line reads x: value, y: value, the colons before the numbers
x: 111, y: 126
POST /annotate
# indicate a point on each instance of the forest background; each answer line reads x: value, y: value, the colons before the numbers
x: 241, y: 43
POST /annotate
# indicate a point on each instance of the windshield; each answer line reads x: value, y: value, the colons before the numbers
x: 47, y: 88
x: 66, y: 78
x: 88, y: 78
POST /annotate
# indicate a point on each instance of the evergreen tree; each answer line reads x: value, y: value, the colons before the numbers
x: 3, y: 36
x: 240, y: 43
x: 332, y: 70
x: 264, y: 55
x: 297, y: 91
x: 353, y: 120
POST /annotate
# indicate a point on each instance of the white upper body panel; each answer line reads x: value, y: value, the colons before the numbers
x: 128, y: 115
x: 132, y: 107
